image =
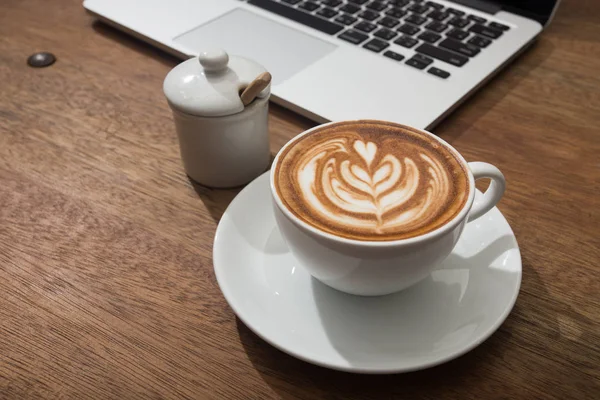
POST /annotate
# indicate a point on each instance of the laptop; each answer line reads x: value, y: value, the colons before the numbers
x: 406, y: 61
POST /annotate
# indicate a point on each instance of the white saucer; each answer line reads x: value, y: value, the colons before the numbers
x: 449, y: 313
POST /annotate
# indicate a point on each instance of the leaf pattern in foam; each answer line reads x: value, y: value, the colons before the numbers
x: 404, y: 190
x: 368, y: 191
x: 342, y: 196
x: 359, y: 187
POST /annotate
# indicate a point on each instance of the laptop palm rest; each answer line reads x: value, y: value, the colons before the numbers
x: 282, y: 50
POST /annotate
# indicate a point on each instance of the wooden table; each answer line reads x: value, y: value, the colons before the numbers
x: 106, y: 282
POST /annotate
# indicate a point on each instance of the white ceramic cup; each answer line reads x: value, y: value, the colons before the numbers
x: 223, y: 143
x: 372, y: 268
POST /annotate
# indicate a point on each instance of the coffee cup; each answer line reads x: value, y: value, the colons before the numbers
x: 371, y: 207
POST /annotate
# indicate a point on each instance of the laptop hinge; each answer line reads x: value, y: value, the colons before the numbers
x: 489, y: 7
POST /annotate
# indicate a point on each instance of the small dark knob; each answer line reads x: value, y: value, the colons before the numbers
x: 41, y: 59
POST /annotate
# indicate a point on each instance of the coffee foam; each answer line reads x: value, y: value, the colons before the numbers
x: 371, y: 180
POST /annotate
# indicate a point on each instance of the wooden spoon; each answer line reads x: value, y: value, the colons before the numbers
x: 255, y: 87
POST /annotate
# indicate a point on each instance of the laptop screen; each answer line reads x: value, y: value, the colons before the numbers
x: 540, y: 10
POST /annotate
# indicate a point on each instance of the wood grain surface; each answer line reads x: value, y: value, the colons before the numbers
x: 107, y: 288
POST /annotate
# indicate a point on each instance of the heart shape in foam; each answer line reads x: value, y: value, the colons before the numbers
x: 366, y: 151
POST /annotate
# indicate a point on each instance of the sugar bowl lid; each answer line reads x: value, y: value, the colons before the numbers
x: 209, y: 85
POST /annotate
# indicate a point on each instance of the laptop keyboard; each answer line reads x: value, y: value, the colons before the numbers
x: 433, y: 31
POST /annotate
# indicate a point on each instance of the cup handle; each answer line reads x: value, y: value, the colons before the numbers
x: 494, y: 192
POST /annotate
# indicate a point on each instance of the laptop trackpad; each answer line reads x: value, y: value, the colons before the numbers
x: 282, y: 50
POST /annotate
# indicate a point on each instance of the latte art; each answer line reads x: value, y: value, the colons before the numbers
x: 382, y: 184
x: 365, y: 195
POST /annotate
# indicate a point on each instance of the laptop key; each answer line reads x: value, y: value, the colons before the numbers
x: 486, y: 31
x: 350, y: 8
x: 438, y: 72
x: 436, y: 26
x: 369, y: 15
x: 429, y: 37
x: 353, y: 36
x: 454, y: 11
x: 385, y: 34
x: 424, y: 59
x: 292, y: 2
x: 376, y: 45
x: 457, y: 34
x: 433, y: 4
x: 388, y: 22
x: 309, y: 6
x: 409, y: 29
x: 497, y: 25
x: 377, y: 5
x: 416, y: 63
x: 479, y: 20
x: 359, y: 2
x: 330, y: 3
x: 395, y: 12
x: 460, y: 47
x: 393, y: 55
x: 345, y: 19
x: 480, y: 41
x: 458, y: 22
x: 326, y: 12
x: 399, y: 3
x: 415, y: 19
x: 418, y: 8
x: 442, y: 55
x: 438, y: 15
x: 298, y: 16
x: 365, y: 26
x: 406, y: 41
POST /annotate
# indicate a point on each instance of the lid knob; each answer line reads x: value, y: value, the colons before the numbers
x: 213, y: 60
